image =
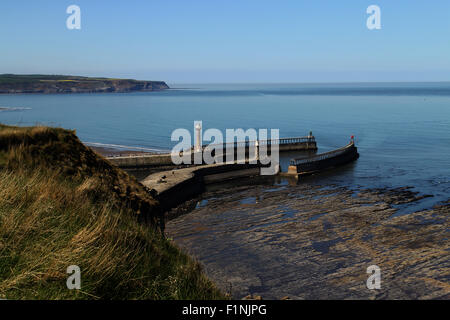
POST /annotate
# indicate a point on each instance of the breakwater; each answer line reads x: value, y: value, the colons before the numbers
x: 324, y: 161
x: 165, y: 160
x: 174, y: 187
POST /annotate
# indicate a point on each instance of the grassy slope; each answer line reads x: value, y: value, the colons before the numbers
x: 62, y: 205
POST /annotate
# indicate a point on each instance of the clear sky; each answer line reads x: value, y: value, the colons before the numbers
x: 182, y: 41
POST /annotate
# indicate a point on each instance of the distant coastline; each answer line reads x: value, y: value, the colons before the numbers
x: 50, y: 84
x: 13, y: 109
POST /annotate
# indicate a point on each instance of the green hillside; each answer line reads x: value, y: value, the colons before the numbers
x: 61, y: 204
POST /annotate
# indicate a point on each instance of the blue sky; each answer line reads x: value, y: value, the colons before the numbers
x: 229, y: 41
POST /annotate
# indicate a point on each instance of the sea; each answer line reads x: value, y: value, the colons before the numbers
x: 402, y: 130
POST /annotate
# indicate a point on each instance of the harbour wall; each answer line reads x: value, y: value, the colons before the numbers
x: 165, y: 160
x: 174, y: 187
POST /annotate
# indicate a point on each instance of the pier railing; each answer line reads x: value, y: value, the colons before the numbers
x: 138, y: 155
x: 269, y: 142
x: 248, y: 144
x: 323, y: 156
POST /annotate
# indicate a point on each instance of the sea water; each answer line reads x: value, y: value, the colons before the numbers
x: 402, y: 130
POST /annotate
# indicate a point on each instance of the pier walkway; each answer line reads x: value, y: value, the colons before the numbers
x: 149, y: 160
x: 173, y: 187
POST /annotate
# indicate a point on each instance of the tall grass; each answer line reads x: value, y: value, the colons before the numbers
x: 51, y: 219
x: 58, y: 149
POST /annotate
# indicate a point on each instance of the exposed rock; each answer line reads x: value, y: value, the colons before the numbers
x: 309, y: 242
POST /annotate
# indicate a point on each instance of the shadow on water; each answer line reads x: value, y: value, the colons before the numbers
x: 286, y: 157
x: 327, y: 177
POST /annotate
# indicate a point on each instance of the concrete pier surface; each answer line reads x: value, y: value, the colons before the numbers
x: 173, y: 187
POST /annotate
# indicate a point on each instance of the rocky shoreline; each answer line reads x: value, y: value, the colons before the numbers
x: 315, y: 242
